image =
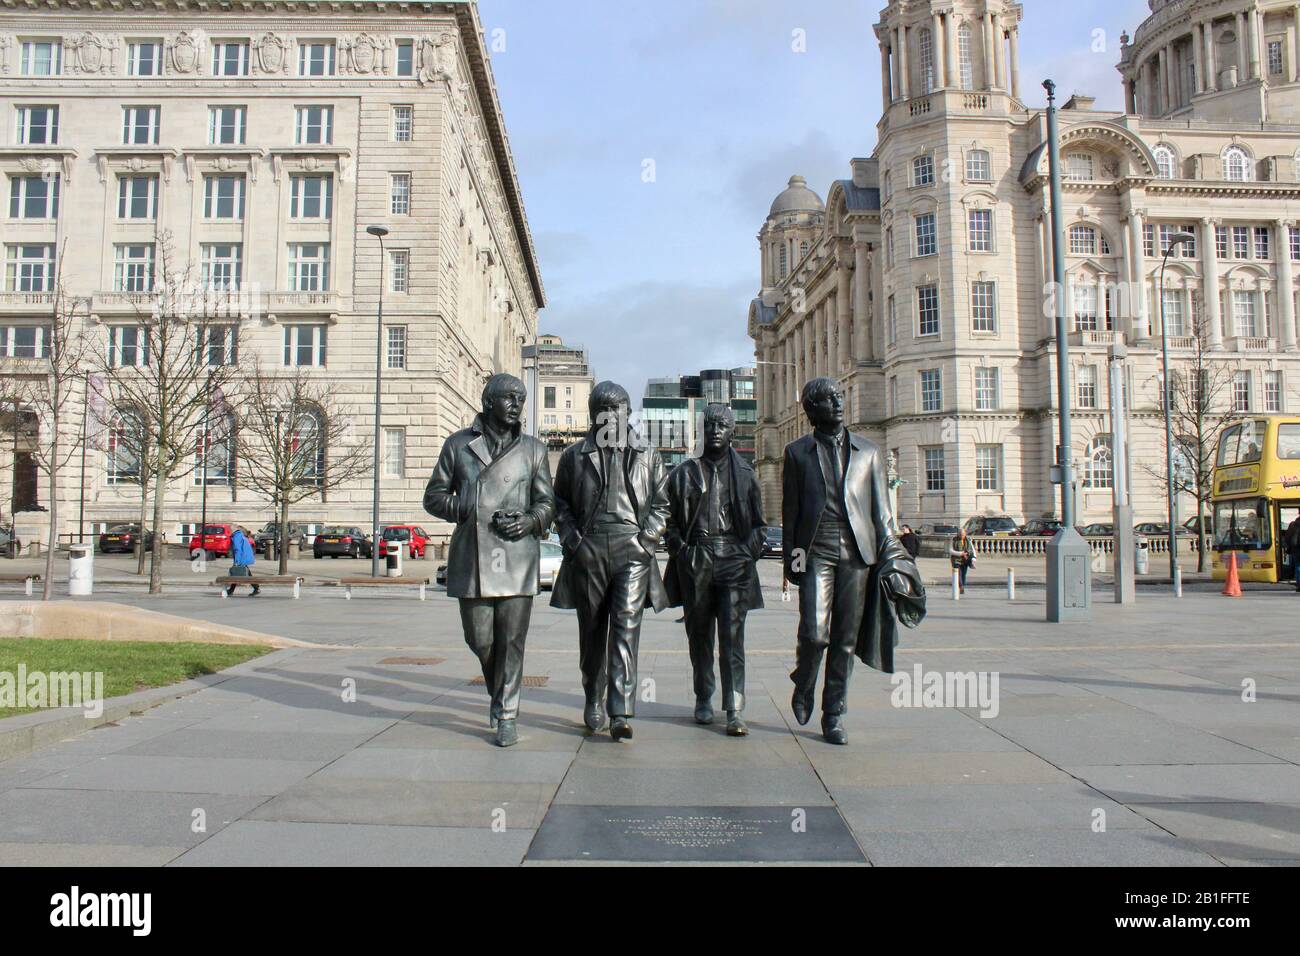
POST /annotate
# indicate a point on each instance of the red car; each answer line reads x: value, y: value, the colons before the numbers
x: 215, y: 539
x: 413, y: 535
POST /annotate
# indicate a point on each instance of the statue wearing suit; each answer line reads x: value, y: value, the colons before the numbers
x: 494, y: 484
x: 836, y: 526
x: 610, y: 509
x: 715, y: 537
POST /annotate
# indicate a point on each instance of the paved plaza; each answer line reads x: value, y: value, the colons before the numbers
x: 1122, y: 742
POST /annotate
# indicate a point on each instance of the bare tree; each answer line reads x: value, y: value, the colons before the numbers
x: 295, y: 441
x: 50, y: 393
x: 128, y: 435
x: 169, y: 364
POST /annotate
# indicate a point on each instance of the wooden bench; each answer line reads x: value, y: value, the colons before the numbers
x: 350, y: 583
x: 261, y: 581
x: 26, y: 579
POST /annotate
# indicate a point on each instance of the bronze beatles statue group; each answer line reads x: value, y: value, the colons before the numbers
x: 613, y: 502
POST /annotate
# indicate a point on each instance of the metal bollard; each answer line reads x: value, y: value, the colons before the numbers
x: 956, y: 584
x: 1011, y: 584
x: 1178, y: 582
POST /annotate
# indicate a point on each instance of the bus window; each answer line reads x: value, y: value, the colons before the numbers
x: 1242, y: 525
x: 1288, y: 441
x: 1228, y: 446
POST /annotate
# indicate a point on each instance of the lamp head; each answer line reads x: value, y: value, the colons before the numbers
x: 379, y: 231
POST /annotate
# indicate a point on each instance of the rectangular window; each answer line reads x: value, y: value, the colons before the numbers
x: 394, y: 452
x: 34, y: 197
x: 1221, y: 241
x: 1085, y: 377
x: 311, y: 197
x: 397, y: 346
x: 400, y: 194
x: 1294, y: 242
x: 144, y: 58
x: 1083, y: 241
x: 923, y: 171
x: 980, y: 230
x: 936, y: 474
x: 986, y: 389
x: 223, y: 197
x: 988, y: 467
x: 1079, y: 167
x: 38, y: 125
x: 548, y: 396
x: 1273, y: 391
x: 309, y: 266
x: 926, y: 243
x: 128, y: 346
x: 1084, y: 298
x: 217, y: 344
x: 399, y: 270
x: 24, y: 341
x: 1175, y: 322
x: 1243, y: 314
x: 406, y: 58
x: 984, y: 306
x: 137, y: 197
x: 978, y: 167
x: 316, y: 59
x: 931, y: 390
x: 1241, y: 242
x: 140, y: 125
x: 1241, y: 392
x: 29, y: 268
x: 892, y: 329
x: 227, y: 125
x: 403, y: 123
x: 315, y: 125
x: 304, y: 345
x: 133, y: 268
x: 1274, y: 57
x: 927, y: 310
x: 1149, y: 241
x: 223, y: 266
x: 230, y: 58
x: 1262, y: 250
x: 42, y: 58
x: 893, y: 395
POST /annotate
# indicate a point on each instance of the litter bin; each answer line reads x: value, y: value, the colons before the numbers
x: 81, y: 569
x: 393, y: 558
x: 1141, y: 555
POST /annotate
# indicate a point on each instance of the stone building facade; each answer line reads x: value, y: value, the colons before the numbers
x: 560, y: 379
x: 254, y: 143
x: 922, y: 283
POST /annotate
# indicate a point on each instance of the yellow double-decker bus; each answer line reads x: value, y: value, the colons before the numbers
x: 1256, y: 496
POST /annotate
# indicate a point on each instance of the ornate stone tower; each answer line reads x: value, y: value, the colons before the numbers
x: 793, y: 226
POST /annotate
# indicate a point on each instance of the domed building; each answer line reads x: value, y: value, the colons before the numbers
x: 922, y: 288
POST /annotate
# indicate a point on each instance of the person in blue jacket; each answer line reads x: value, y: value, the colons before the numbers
x: 241, y: 553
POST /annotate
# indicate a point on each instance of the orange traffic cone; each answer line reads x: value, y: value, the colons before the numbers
x: 1232, y: 586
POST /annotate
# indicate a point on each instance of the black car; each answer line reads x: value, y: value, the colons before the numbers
x: 773, y: 546
x: 121, y: 539
x: 996, y: 525
x: 341, y: 540
x: 271, y: 532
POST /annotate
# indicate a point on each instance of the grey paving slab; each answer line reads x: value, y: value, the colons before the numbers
x: 179, y: 775
x: 707, y: 749
x: 725, y: 786
x: 846, y: 767
x: 1206, y: 783
x: 271, y: 843
x: 443, y: 730
x: 489, y: 765
x: 1042, y: 847
x: 1121, y: 739
x: 276, y: 718
x: 110, y: 738
x: 98, y: 817
x: 83, y: 854
x: 206, y: 743
x: 1239, y: 831
x: 410, y: 803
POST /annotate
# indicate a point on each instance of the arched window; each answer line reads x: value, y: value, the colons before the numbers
x: 306, y: 444
x: 1236, y: 165
x: 1097, y: 469
x: 1165, y: 162
x: 964, y: 55
x: 803, y: 248
x: 926, y: 41
x: 1083, y: 241
x: 221, y: 452
x: 887, y: 186
x: 979, y: 168
x: 785, y: 262
x: 125, y: 439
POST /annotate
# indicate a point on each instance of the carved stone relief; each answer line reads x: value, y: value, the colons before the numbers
x: 273, y: 53
x: 185, y: 53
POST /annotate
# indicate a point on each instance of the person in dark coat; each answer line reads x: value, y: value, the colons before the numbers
x: 911, y: 541
x: 494, y: 484
x: 837, y: 525
x: 610, y: 509
x: 1291, y: 539
x: 715, y: 537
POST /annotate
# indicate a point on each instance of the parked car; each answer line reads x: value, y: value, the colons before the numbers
x: 9, y: 545
x: 121, y: 539
x: 271, y: 532
x: 413, y: 535
x: 1040, y: 528
x: 337, y: 540
x: 939, y: 527
x: 1000, y: 526
x: 774, y: 546
x: 1098, y: 529
x: 214, y: 539
x: 1160, y: 529
x: 1190, y: 525
x: 551, y: 556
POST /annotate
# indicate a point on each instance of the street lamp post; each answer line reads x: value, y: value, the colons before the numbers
x: 378, y: 232
x: 1176, y: 240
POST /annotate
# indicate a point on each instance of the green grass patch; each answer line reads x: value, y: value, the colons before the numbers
x: 127, y: 666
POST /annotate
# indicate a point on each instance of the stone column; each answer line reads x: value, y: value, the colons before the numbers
x: 990, y: 81
x: 999, y: 55
x: 938, y: 52
x: 1198, y: 60
x: 1285, y: 285
x: 1210, y: 282
x: 1295, y: 60
x: 886, y: 78
x: 815, y: 366
x: 1138, y: 287
x: 1253, y: 17
x: 1242, y: 61
x: 904, y: 84
x: 1015, y: 62
x: 953, y: 58
x: 862, y: 350
x: 1126, y: 278
x: 1211, y: 61
x: 846, y: 323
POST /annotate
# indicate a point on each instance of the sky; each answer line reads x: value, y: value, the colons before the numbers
x: 651, y: 137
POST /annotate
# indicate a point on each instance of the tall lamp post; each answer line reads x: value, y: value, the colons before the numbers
x: 378, y: 232
x: 1176, y: 240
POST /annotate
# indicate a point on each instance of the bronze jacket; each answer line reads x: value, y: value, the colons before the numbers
x: 578, y: 489
x: 467, y: 488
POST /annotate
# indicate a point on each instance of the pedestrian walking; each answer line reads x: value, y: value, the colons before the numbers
x: 961, y: 552
x: 242, y: 556
x: 911, y: 541
x: 1292, y: 541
